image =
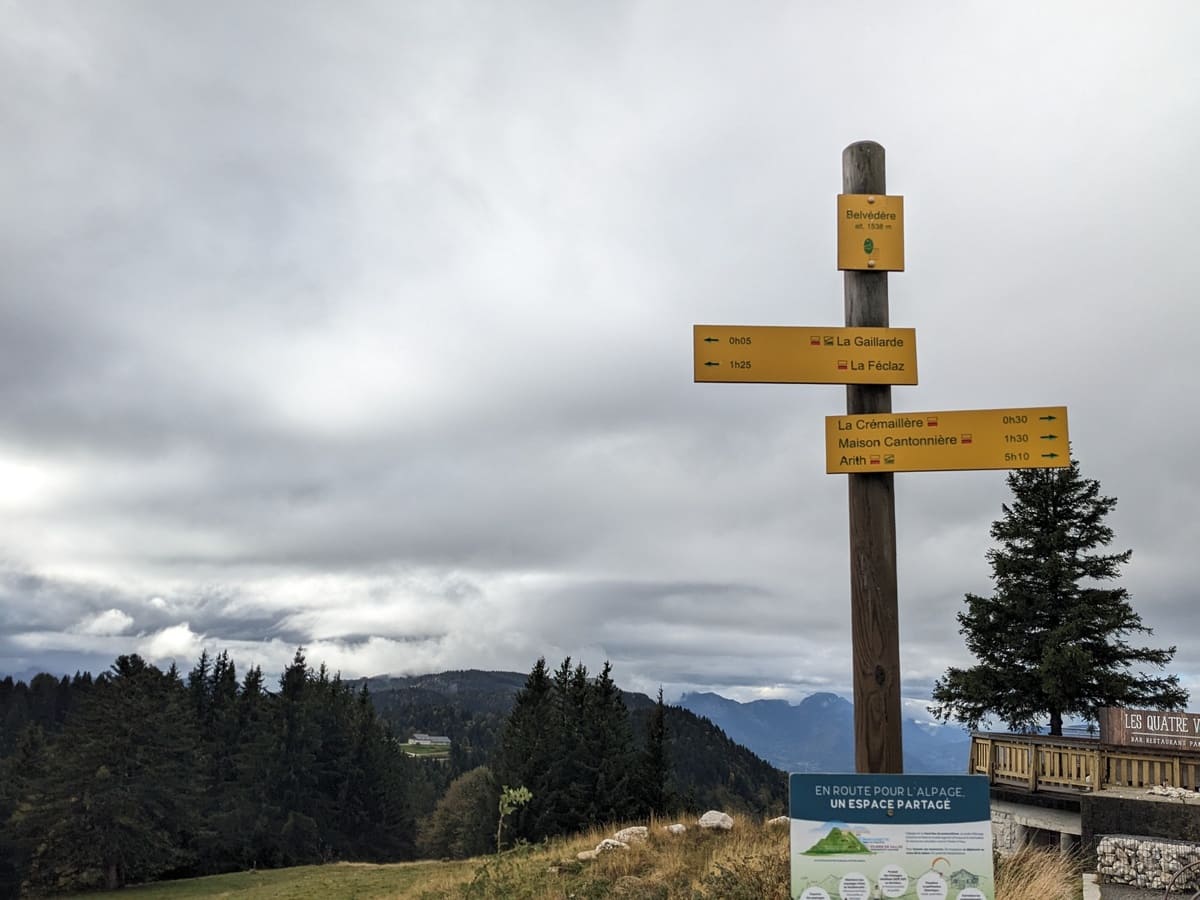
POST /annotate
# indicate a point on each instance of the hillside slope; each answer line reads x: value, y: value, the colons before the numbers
x: 709, y: 770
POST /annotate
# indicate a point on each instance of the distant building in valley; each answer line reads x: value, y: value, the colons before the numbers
x: 430, y: 740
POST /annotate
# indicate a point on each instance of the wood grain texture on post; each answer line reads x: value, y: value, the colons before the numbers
x: 874, y: 615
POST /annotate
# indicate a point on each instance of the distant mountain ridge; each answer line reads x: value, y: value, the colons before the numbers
x: 817, y: 734
x: 709, y: 770
x: 814, y: 735
x: 475, y: 690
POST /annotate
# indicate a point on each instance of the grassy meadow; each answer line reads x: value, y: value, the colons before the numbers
x: 748, y: 863
x: 425, y: 751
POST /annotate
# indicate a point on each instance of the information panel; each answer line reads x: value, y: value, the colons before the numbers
x: 1026, y: 438
x: 870, y: 232
x: 858, y: 837
x: 783, y: 354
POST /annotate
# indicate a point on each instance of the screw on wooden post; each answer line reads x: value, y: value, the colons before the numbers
x: 874, y: 617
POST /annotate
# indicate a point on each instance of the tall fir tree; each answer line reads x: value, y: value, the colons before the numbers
x: 298, y: 740
x: 1052, y: 639
x: 563, y: 790
x: 611, y: 789
x: 22, y: 778
x: 527, y: 751
x: 654, y: 768
x: 215, y: 701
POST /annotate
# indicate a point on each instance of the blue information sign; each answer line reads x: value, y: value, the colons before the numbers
x: 862, y: 837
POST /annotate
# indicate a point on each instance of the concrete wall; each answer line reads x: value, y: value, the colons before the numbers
x: 1016, y: 824
x: 1172, y: 820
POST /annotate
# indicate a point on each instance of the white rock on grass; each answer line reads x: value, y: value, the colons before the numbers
x: 611, y: 844
x: 677, y: 828
x: 632, y: 833
x: 716, y: 819
x: 779, y: 820
x: 585, y: 855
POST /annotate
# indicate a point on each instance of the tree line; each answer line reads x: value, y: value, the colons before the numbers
x: 141, y: 774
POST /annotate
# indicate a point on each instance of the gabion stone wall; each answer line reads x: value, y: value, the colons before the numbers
x: 1145, y: 862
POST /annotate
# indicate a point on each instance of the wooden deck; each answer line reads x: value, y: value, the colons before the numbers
x: 1040, y: 763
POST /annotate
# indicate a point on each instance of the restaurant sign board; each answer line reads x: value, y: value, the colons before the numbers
x: 1149, y: 728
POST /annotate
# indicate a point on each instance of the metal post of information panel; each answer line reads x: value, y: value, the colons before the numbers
x: 874, y: 616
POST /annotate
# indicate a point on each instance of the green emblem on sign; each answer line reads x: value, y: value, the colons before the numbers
x: 868, y: 246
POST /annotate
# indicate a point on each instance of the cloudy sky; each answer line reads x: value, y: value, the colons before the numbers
x: 367, y: 326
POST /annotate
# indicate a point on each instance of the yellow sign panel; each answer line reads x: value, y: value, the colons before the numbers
x: 870, y: 232
x: 801, y: 355
x: 1030, y: 438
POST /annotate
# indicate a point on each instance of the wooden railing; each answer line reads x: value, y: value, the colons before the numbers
x: 1036, y: 763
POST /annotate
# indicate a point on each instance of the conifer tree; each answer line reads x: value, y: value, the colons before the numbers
x: 562, y: 793
x: 610, y: 790
x: 216, y: 704
x: 294, y: 778
x: 654, y: 767
x: 199, y: 689
x: 527, y: 749
x: 21, y: 821
x: 1052, y: 639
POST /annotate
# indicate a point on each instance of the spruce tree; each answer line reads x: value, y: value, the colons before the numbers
x: 611, y: 791
x: 528, y: 750
x: 294, y: 781
x: 216, y: 705
x: 1052, y: 639
x: 22, y: 822
x: 654, y: 765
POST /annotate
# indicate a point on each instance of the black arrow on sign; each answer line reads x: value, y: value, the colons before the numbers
x: 711, y: 340
x: 1047, y: 418
x: 712, y: 364
x: 1049, y: 437
x: 1049, y: 456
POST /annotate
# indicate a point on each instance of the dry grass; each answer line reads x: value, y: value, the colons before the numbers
x: 751, y: 862
x: 1034, y: 874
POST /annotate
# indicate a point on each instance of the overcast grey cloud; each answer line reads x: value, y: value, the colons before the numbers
x: 368, y: 327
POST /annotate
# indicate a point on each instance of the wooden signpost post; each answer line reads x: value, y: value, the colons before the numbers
x: 874, y: 619
x: 871, y: 442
